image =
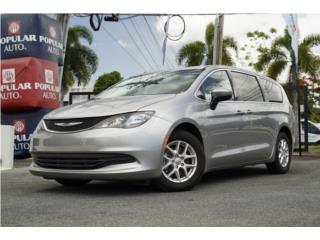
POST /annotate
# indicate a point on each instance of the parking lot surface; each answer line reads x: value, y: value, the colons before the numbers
x: 238, y: 197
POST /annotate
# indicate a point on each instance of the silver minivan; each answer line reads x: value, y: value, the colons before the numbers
x: 170, y: 127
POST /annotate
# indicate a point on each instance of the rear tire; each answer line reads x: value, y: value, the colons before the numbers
x: 72, y: 182
x: 181, y: 171
x: 283, y: 154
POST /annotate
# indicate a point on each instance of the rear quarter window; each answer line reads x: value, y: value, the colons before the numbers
x: 272, y: 90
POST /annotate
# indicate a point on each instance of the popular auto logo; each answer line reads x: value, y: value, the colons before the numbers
x: 48, y: 75
x: 8, y: 75
x: 19, y: 126
x: 14, y: 27
x: 52, y: 32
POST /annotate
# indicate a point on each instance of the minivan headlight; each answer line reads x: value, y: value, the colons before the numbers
x: 126, y: 120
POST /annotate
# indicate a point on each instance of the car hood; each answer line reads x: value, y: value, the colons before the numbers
x: 107, y: 106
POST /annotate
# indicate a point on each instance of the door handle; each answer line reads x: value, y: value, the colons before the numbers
x: 239, y: 112
x: 249, y: 111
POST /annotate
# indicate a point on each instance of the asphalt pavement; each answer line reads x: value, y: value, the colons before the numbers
x: 239, y: 197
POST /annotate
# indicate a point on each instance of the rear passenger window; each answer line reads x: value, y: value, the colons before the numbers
x: 272, y: 90
x: 246, y: 87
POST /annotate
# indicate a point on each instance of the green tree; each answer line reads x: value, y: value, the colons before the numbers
x: 194, y: 53
x: 106, y: 80
x: 280, y: 56
x: 80, y: 60
x: 257, y: 40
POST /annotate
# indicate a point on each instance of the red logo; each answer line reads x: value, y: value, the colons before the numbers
x: 8, y: 75
x: 293, y: 28
x: 19, y: 126
x: 52, y: 32
x: 14, y: 27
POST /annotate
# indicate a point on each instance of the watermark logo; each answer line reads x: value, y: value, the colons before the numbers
x: 19, y: 126
x: 14, y: 27
x: 48, y: 76
x: 52, y: 32
x: 8, y: 75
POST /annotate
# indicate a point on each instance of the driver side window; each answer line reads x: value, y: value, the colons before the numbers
x: 215, y: 80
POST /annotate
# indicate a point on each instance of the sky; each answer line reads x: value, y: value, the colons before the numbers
x: 132, y: 49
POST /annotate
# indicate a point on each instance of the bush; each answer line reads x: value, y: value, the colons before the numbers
x: 106, y: 80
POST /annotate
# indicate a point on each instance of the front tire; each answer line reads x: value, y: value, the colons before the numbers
x: 283, y: 154
x: 72, y: 182
x: 183, y: 162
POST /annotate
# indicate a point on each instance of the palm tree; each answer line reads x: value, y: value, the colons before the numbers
x: 80, y: 60
x: 280, y: 56
x: 194, y: 53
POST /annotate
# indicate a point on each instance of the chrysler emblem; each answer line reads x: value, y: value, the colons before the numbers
x: 68, y: 124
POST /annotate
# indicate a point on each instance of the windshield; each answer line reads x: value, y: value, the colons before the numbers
x: 169, y: 82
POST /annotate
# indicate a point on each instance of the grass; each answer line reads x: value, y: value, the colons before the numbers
x: 314, y: 148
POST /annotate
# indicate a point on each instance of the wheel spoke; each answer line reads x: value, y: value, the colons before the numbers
x: 172, y: 172
x: 171, y: 150
x: 185, y: 149
x: 166, y: 157
x: 177, y: 147
x: 167, y: 165
x: 187, y: 165
x: 185, y: 171
x: 189, y: 156
x: 178, y: 175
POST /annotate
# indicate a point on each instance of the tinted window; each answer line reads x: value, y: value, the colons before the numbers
x: 311, y: 128
x: 215, y: 80
x: 246, y: 87
x: 168, y: 82
x: 272, y: 90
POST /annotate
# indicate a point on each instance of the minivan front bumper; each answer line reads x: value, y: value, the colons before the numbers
x: 142, y: 145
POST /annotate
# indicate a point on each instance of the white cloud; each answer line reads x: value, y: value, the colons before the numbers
x: 123, y: 43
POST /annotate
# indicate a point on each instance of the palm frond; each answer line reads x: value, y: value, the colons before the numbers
x: 82, y: 32
x: 276, y: 68
x: 192, y: 53
x: 209, y: 36
x: 263, y: 61
x: 311, y: 40
x: 230, y: 42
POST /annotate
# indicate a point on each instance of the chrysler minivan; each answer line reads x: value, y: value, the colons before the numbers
x: 169, y: 127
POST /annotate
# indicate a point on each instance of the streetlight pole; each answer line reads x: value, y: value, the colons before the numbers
x: 218, y: 40
x: 63, y: 20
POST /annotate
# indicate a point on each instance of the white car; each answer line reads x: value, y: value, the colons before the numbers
x: 313, y: 132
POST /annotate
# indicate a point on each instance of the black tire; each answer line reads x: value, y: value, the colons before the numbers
x: 275, y: 166
x: 72, y: 182
x: 166, y: 185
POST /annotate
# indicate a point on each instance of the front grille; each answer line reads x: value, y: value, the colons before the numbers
x: 78, y: 161
x: 74, y: 124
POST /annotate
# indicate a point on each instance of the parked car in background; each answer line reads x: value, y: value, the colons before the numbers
x: 313, y: 132
x: 170, y: 127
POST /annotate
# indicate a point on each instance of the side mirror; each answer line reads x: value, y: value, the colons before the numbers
x: 219, y: 95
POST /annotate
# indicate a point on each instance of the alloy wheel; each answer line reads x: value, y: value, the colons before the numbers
x: 179, y: 161
x: 283, y: 153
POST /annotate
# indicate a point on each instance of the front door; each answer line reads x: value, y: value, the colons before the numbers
x: 224, y: 126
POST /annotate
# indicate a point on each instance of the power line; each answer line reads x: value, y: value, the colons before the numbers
x: 170, y: 49
x: 141, y: 39
x: 155, y: 39
x: 137, y: 46
x: 126, y: 51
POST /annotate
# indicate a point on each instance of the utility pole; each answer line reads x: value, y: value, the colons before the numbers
x: 218, y: 40
x: 63, y: 20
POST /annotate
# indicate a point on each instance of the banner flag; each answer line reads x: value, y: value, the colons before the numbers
x: 292, y: 22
